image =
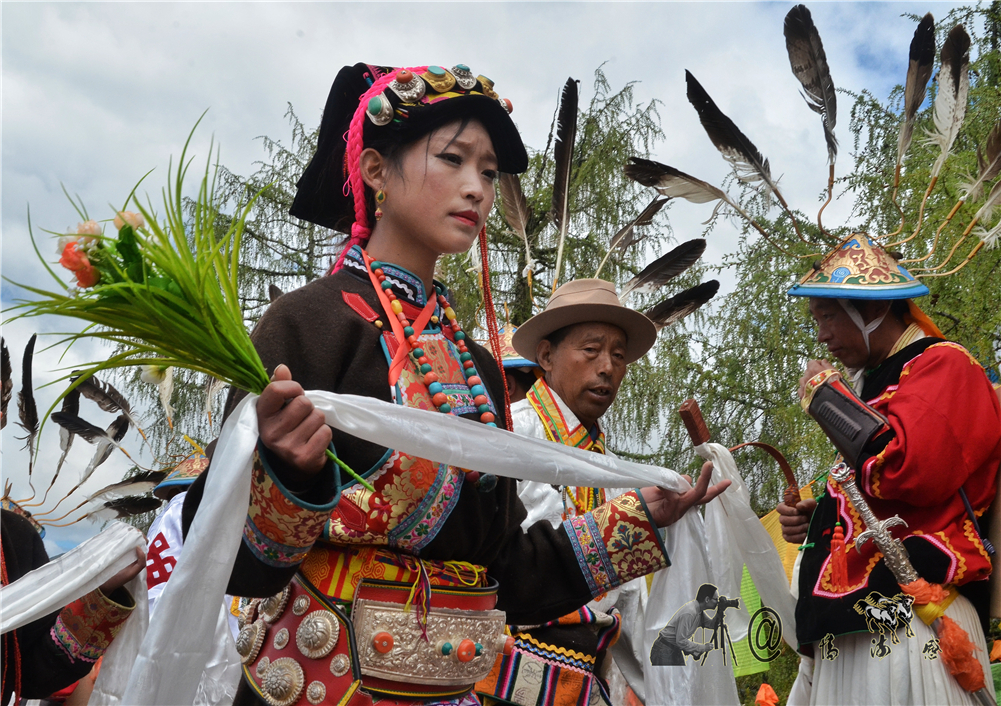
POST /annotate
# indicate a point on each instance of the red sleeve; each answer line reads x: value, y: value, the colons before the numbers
x: 946, y: 421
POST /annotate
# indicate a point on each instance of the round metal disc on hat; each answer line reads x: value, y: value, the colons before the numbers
x: 340, y: 665
x: 300, y: 605
x: 463, y: 76
x: 488, y: 87
x: 249, y: 641
x: 317, y: 634
x: 271, y: 608
x: 262, y: 666
x: 379, y: 110
x: 439, y: 79
x: 283, y: 682
x: 281, y: 639
x: 409, y: 92
x: 316, y: 692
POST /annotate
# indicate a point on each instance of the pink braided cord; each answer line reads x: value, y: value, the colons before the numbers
x: 360, y: 230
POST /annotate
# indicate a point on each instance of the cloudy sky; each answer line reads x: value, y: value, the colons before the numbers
x: 95, y: 95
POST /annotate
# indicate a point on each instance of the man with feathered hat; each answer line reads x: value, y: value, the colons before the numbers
x: 583, y: 341
x: 920, y: 425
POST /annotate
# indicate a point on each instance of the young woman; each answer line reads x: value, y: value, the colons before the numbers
x: 396, y: 591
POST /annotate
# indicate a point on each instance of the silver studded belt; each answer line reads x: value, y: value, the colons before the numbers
x: 299, y: 648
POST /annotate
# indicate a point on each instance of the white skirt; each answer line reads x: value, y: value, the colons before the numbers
x: 905, y: 676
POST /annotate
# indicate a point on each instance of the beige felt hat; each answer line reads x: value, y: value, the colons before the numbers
x: 582, y: 301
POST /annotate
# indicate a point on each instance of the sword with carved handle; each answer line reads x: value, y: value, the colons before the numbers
x: 897, y: 559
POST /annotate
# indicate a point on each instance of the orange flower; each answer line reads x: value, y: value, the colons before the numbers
x: 75, y: 260
x: 87, y: 277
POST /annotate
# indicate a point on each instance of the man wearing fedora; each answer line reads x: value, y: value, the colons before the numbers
x: 584, y: 341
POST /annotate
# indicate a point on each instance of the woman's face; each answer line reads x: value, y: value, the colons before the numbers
x: 440, y: 191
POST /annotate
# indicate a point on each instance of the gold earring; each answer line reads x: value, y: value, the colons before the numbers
x: 380, y: 198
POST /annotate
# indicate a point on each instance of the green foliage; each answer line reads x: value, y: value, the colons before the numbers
x: 781, y: 674
x: 278, y: 249
x: 966, y: 305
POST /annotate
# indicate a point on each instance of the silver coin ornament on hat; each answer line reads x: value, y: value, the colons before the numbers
x: 300, y: 605
x: 464, y: 77
x: 249, y: 641
x: 379, y: 110
x: 408, y: 87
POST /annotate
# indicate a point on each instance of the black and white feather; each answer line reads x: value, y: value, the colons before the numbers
x: 517, y: 212
x: 809, y: 65
x: 124, y: 507
x: 919, y: 70
x: 106, y: 396
x: 674, y: 309
x: 566, y: 138
x: 750, y: 166
x: 953, y: 90
x: 27, y: 410
x: 665, y: 268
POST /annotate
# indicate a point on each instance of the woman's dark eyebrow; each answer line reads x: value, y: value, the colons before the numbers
x: 463, y: 144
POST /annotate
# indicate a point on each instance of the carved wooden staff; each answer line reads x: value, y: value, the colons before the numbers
x: 698, y: 431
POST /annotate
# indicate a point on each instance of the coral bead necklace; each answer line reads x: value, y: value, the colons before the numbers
x: 435, y: 389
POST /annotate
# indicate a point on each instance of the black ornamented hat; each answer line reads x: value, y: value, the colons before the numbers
x: 368, y: 102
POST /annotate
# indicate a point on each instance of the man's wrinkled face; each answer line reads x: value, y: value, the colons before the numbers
x: 586, y: 368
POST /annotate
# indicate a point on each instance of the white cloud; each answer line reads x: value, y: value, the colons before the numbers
x: 95, y: 95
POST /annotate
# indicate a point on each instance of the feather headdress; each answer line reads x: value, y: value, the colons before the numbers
x: 809, y: 65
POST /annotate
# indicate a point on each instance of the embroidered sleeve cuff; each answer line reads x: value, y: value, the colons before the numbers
x: 281, y: 528
x: 616, y: 542
x: 815, y: 382
x: 85, y: 628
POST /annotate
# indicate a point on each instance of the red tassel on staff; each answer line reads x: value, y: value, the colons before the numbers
x: 958, y: 655
x: 839, y: 560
